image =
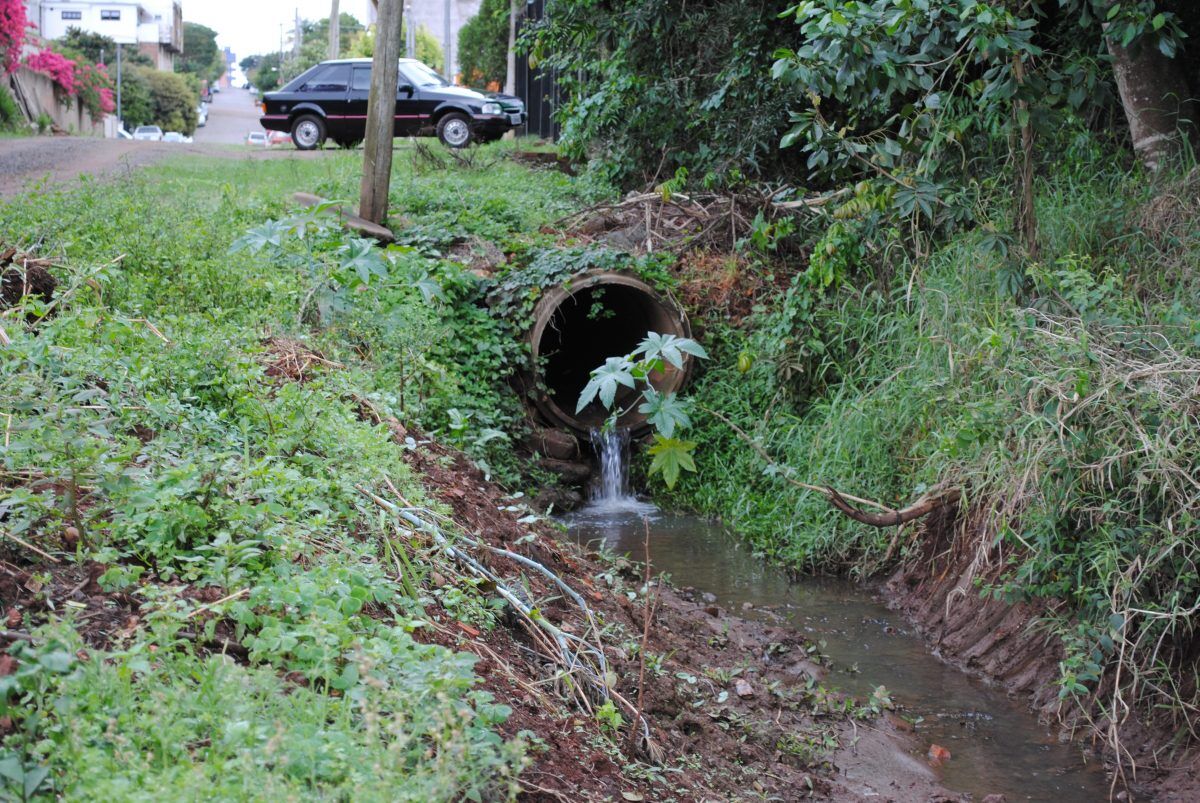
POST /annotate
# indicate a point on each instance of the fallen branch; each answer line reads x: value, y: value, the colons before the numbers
x: 556, y: 641
x: 28, y: 546
x: 212, y: 605
x: 890, y: 517
x: 13, y: 635
x: 922, y: 507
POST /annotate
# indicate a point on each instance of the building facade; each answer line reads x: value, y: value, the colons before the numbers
x: 162, y: 38
x: 155, y: 26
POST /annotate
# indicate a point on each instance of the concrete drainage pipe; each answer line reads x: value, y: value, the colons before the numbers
x: 580, y: 324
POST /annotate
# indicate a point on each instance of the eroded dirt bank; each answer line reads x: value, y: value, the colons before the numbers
x: 1003, y: 643
x: 757, y: 734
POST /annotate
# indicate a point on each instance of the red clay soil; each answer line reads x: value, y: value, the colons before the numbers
x: 1001, y: 643
x: 726, y: 734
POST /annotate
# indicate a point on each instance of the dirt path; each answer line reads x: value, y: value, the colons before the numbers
x: 29, y: 163
x: 53, y: 160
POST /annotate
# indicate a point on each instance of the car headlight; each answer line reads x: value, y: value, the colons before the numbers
x: 491, y: 108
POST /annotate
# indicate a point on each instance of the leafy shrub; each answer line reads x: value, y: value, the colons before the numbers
x: 651, y: 87
x: 173, y: 101
x: 89, y: 83
x: 483, y: 45
x: 10, y: 113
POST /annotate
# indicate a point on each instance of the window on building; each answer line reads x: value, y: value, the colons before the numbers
x: 110, y: 14
x: 72, y: 15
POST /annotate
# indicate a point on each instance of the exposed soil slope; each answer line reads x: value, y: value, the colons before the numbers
x: 1002, y: 643
x: 724, y: 738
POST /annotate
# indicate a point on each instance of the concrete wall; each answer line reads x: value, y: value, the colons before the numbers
x: 37, y: 93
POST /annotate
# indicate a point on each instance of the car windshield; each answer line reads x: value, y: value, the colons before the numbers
x: 147, y: 129
x: 420, y: 75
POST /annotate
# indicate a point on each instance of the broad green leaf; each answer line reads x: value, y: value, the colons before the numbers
x: 664, y: 411
x: 670, y: 348
x: 362, y: 256
x: 671, y: 456
x: 605, y: 379
x: 256, y: 239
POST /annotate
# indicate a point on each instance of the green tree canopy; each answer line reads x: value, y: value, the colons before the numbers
x: 96, y: 48
x: 483, y: 45
x: 201, y: 56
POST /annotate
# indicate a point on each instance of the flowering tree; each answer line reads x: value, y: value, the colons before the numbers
x: 13, y: 31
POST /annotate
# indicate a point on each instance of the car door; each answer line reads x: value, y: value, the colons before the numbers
x: 356, y: 102
x: 420, y: 105
x: 329, y: 88
x: 409, y: 108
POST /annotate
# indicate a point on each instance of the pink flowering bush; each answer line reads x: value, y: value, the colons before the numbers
x: 60, y: 68
x: 90, y: 83
x: 94, y: 88
x: 14, y: 28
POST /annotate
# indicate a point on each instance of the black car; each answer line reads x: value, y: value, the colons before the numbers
x: 329, y: 101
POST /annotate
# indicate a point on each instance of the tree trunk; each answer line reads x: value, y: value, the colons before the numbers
x: 381, y: 114
x: 335, y: 31
x: 510, y: 75
x: 1158, y: 105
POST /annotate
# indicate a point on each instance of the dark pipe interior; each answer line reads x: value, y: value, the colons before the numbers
x: 589, y: 327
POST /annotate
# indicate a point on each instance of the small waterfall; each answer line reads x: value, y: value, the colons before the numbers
x: 610, y: 491
x: 613, y: 448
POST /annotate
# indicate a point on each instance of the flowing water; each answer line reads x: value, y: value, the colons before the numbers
x: 996, y: 745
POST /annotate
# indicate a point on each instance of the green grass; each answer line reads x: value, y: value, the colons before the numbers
x: 145, y: 414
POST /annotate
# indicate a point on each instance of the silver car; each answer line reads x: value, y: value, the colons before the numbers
x: 148, y: 133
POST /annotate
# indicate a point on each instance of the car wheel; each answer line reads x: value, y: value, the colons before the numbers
x: 454, y: 130
x: 308, y: 132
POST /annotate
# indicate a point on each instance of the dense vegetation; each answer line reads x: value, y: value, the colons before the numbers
x: 995, y: 291
x: 967, y: 259
x: 483, y: 46
x: 192, y: 456
x: 149, y: 96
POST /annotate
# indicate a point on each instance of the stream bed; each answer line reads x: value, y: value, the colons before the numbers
x: 996, y: 744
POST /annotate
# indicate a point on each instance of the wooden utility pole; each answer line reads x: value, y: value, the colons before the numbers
x: 381, y: 114
x: 335, y: 31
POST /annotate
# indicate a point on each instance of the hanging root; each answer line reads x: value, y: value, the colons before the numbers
x: 581, y: 662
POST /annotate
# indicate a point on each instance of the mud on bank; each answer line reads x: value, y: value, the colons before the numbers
x: 764, y: 732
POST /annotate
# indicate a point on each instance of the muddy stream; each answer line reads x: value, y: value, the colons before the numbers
x: 996, y: 744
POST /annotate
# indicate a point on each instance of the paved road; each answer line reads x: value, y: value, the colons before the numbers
x: 232, y: 114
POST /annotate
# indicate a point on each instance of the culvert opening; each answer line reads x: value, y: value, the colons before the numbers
x: 578, y: 327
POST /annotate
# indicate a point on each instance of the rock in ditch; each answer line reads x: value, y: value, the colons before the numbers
x: 569, y: 472
x: 553, y: 443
